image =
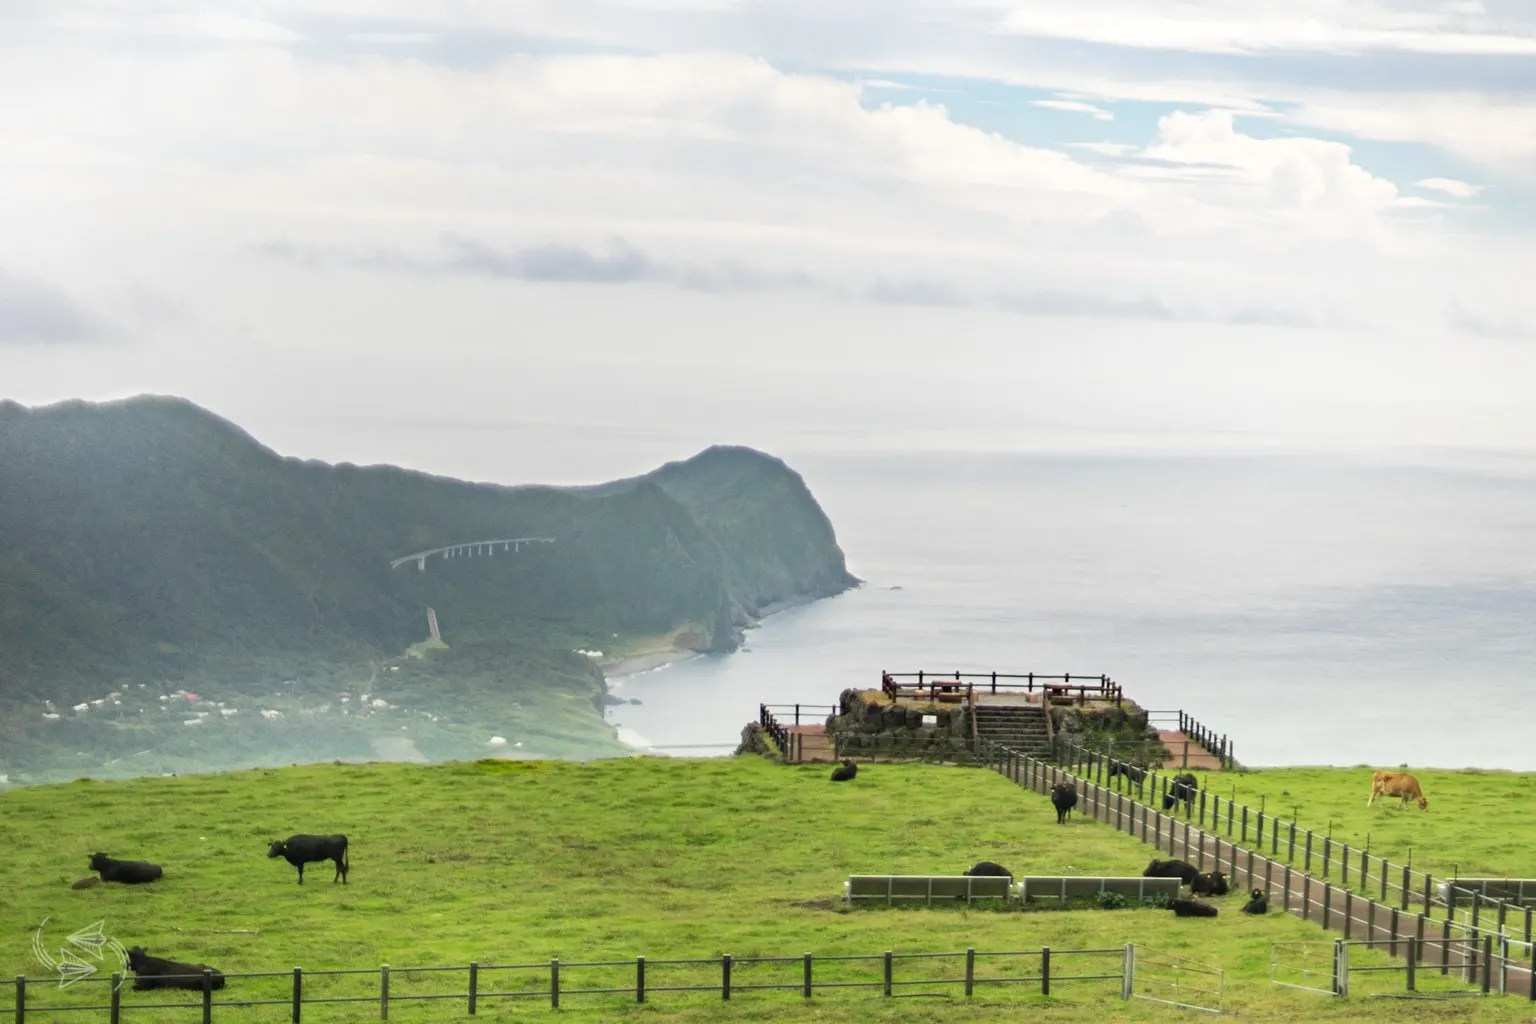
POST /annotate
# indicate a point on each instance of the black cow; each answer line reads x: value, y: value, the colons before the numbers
x: 153, y: 972
x: 129, y: 872
x: 300, y: 850
x: 1133, y: 774
x: 1182, y: 791
x: 1257, y: 903
x: 987, y: 867
x: 1192, y: 908
x: 1064, y: 796
x: 1182, y: 870
x: 1212, y: 883
x: 845, y: 771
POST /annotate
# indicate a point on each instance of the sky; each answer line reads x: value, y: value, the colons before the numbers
x: 562, y: 238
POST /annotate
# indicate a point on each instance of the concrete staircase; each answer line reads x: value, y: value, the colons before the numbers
x: 1017, y: 727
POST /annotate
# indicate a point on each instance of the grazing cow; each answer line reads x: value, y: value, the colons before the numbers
x: 300, y: 850
x: 153, y: 972
x: 129, y: 872
x: 1133, y: 773
x: 1257, y: 903
x: 1064, y: 796
x: 1182, y: 791
x: 1212, y: 883
x: 987, y: 867
x: 1398, y: 784
x: 845, y: 771
x: 1192, y: 908
x: 1182, y: 870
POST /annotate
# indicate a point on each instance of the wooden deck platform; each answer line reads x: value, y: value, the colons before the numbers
x: 810, y: 743
x: 1184, y: 752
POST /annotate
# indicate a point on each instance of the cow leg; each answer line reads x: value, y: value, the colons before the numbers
x: 301, y: 872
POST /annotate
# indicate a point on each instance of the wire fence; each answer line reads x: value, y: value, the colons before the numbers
x: 1334, y: 861
x: 478, y: 986
x: 1506, y: 959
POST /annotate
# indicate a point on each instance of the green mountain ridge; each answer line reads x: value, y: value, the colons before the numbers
x: 150, y: 541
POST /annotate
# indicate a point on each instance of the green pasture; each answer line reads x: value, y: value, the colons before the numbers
x: 1479, y: 823
x: 519, y: 862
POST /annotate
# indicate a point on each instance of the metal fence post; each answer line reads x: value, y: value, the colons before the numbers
x: 1045, y: 970
x: 474, y: 985
x: 639, y: 979
x: 115, y: 1014
x: 1407, y: 881
x: 1413, y: 959
x: 970, y: 970
x: 384, y: 992
x: 207, y: 995
x: 554, y: 984
x: 725, y: 975
x: 1349, y: 913
x: 806, y: 982
x: 21, y: 999
x: 1128, y: 972
x: 1487, y: 982
x: 887, y: 988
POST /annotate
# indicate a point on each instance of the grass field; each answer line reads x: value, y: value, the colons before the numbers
x: 1479, y: 823
x: 520, y: 862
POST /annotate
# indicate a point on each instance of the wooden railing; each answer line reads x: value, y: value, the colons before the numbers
x: 1065, y: 688
x: 814, y: 713
x: 771, y: 726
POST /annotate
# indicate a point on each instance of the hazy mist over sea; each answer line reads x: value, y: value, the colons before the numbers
x: 1319, y: 610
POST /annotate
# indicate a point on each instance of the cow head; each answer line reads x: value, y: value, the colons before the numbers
x: 277, y: 848
x: 98, y: 861
x: 136, y: 957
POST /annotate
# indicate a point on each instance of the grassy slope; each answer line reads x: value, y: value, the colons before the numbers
x: 1478, y: 821
x: 516, y: 862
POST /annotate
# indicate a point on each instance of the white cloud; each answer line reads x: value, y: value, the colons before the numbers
x: 1077, y: 107
x: 1450, y: 186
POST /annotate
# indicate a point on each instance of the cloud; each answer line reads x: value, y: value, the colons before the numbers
x: 35, y: 313
x: 1450, y: 186
x: 545, y: 263
x: 1487, y: 326
x: 1075, y: 106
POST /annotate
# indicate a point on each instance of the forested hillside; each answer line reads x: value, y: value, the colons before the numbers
x: 149, y: 541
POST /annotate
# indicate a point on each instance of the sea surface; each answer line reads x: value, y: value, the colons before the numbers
x: 1343, y: 611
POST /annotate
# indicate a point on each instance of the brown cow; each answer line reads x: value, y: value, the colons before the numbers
x: 1398, y: 784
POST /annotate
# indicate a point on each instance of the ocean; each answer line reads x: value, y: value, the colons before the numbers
x: 1343, y: 611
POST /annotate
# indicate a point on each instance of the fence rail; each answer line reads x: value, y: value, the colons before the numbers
x: 475, y: 983
x: 814, y: 714
x: 1506, y: 960
x: 1356, y: 869
x: 1052, y: 687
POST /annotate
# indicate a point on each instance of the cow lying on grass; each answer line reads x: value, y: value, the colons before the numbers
x: 988, y: 868
x: 129, y: 872
x: 1179, y: 869
x: 1192, y: 908
x: 1257, y: 903
x: 153, y: 972
x: 1212, y: 883
x: 845, y: 771
x: 1398, y: 784
x: 1064, y: 797
x: 300, y: 850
